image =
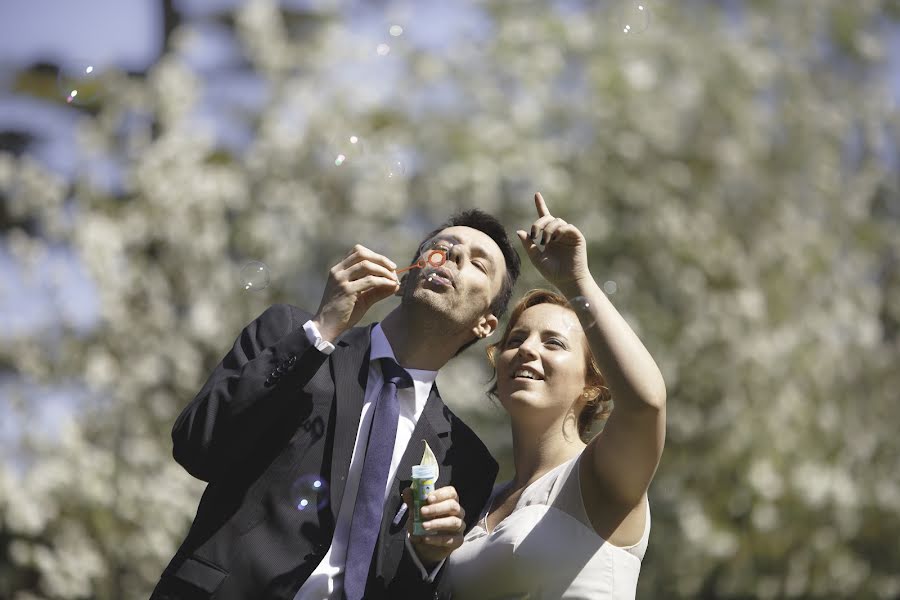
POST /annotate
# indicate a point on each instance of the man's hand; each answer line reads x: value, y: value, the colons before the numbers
x: 444, y: 517
x: 353, y: 286
x: 557, y: 249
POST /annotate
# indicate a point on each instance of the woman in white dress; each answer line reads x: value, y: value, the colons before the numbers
x: 574, y: 521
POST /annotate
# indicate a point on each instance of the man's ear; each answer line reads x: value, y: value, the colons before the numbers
x: 486, y: 326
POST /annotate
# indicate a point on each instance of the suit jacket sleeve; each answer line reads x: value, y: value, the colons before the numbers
x: 270, y: 360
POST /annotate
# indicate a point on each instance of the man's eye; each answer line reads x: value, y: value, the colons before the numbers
x: 481, y: 266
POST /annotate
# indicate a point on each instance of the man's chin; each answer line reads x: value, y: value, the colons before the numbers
x: 426, y: 298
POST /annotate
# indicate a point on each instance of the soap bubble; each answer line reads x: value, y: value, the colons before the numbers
x: 610, y: 287
x: 310, y: 493
x: 634, y: 17
x: 396, y: 169
x: 79, y: 82
x: 344, y: 147
x: 382, y: 49
x: 254, y: 276
x: 396, y: 30
x: 583, y: 308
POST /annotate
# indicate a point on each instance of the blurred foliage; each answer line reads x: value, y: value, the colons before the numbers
x: 733, y: 167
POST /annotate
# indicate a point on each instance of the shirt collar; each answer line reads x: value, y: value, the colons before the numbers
x: 381, y: 348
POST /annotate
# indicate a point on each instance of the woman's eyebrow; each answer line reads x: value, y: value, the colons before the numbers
x: 554, y: 333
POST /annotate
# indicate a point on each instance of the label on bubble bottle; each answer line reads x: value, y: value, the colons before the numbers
x: 424, y: 477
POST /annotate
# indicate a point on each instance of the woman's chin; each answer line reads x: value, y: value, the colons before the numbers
x: 517, y: 396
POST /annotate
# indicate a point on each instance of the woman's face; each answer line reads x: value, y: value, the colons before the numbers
x: 542, y: 362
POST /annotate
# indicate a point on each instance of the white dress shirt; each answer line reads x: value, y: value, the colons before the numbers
x: 326, y: 582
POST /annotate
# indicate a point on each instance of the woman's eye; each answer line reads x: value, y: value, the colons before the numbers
x: 513, y: 342
x: 481, y: 266
x: 556, y: 342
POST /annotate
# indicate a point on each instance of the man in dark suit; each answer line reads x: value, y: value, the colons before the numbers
x: 288, y: 429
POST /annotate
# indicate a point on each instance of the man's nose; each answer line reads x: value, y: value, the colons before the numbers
x: 456, y: 253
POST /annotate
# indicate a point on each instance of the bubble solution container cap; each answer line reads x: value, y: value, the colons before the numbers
x: 424, y: 471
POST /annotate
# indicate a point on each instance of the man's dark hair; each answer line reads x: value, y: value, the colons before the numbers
x: 490, y: 226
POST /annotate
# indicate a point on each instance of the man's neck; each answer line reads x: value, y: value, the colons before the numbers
x: 419, y: 341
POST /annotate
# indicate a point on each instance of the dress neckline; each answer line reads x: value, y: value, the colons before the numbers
x: 504, y: 487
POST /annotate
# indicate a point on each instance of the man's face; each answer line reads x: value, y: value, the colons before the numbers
x: 462, y: 288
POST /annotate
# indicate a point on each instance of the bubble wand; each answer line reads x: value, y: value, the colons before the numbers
x: 436, y: 258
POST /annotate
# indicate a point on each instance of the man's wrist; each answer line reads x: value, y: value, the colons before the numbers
x: 315, y: 338
x: 428, y: 569
x: 328, y: 334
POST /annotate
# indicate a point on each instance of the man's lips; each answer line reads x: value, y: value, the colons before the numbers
x: 441, y: 275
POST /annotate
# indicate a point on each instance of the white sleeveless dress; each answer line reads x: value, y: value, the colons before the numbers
x: 546, y: 548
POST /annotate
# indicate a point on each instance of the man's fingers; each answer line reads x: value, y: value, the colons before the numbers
x: 372, y: 283
x: 367, y: 267
x: 540, y: 205
x: 447, y: 492
x: 445, y: 508
x: 445, y: 525
x: 361, y: 253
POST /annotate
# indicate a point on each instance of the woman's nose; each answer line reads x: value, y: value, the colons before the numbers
x: 527, y: 349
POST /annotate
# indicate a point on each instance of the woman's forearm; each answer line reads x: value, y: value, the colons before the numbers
x: 633, y: 377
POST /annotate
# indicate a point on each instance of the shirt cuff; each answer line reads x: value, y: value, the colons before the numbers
x: 429, y: 577
x: 315, y: 338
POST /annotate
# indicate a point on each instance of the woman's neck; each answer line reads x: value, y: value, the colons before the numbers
x: 539, y: 448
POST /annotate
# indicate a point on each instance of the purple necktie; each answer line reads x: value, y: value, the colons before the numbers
x: 369, y: 507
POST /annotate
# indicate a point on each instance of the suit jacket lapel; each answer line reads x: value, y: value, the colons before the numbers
x: 433, y: 426
x: 350, y: 364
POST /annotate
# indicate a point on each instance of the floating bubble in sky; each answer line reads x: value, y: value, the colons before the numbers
x: 635, y: 17
x: 396, y: 169
x: 310, y: 493
x: 344, y: 147
x: 254, y: 276
x: 584, y: 309
x: 382, y: 49
x: 396, y: 30
x: 79, y: 82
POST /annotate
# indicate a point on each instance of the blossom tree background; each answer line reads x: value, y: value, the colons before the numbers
x: 733, y: 164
